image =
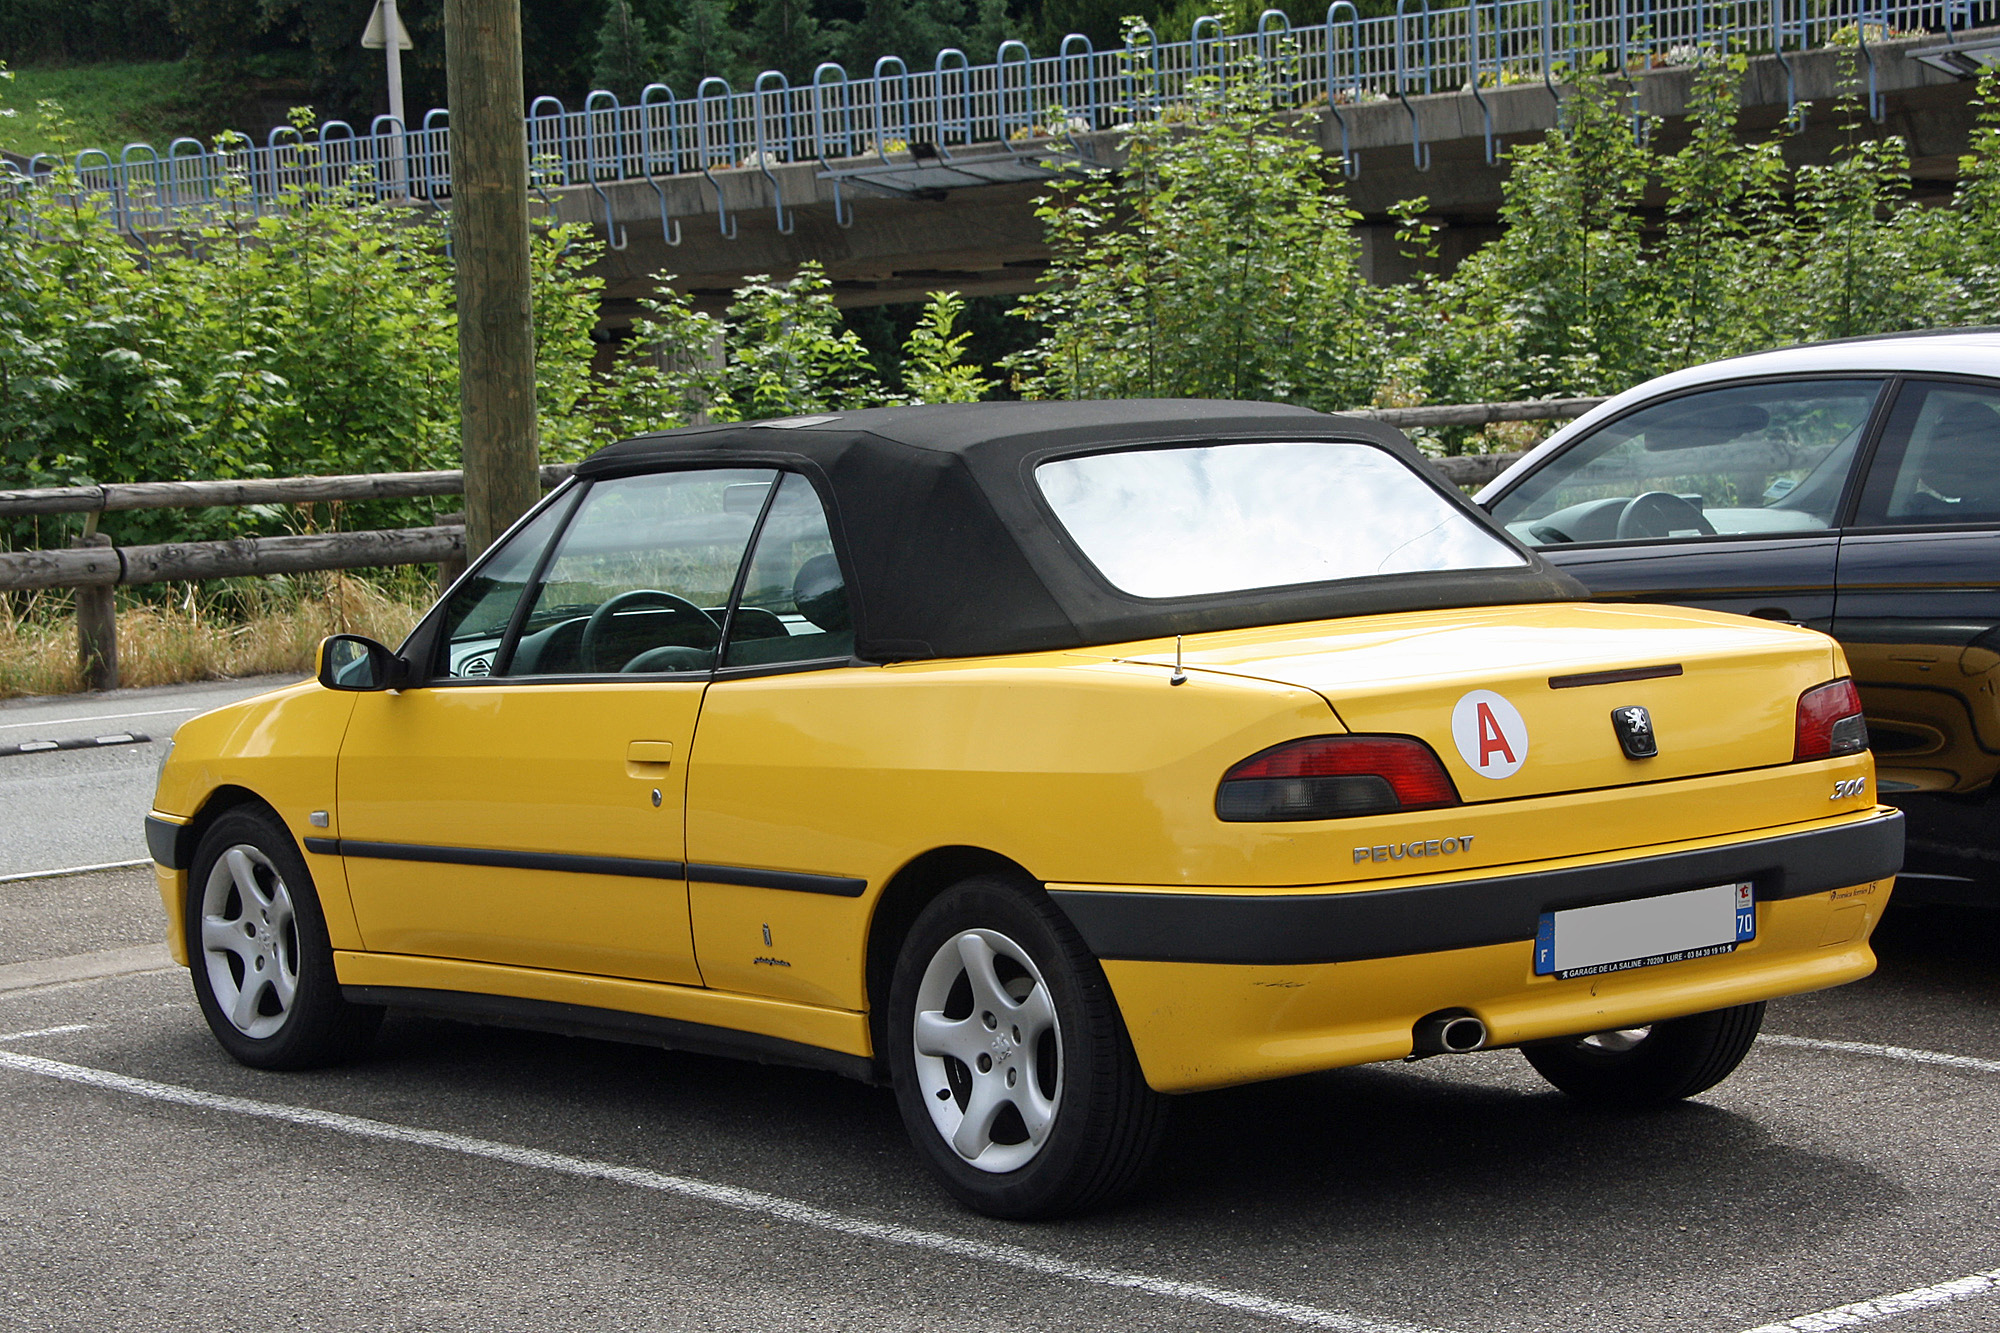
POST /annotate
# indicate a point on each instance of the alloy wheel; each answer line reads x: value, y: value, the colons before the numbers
x: 988, y: 1044
x: 250, y: 940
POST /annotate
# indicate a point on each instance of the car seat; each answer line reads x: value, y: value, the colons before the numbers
x: 1959, y: 467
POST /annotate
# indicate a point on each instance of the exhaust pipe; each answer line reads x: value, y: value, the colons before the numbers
x: 1447, y: 1032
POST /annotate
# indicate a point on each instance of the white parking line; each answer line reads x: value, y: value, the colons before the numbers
x: 726, y: 1196
x: 105, y: 717
x: 44, y: 1032
x: 73, y: 870
x: 1884, y: 1308
x: 1908, y: 1053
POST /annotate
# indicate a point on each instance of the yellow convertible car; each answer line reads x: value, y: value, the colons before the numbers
x: 1041, y: 761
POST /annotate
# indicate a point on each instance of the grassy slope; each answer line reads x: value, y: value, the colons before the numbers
x: 108, y: 106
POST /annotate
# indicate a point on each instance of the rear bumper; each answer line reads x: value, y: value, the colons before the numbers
x: 1225, y: 988
x: 1307, y: 927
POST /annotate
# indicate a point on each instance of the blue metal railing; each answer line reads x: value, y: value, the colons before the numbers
x: 1020, y: 100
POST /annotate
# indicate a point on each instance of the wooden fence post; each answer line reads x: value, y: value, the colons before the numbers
x: 97, y: 626
x: 451, y: 566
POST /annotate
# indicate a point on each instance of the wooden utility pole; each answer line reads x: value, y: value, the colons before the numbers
x: 489, y: 211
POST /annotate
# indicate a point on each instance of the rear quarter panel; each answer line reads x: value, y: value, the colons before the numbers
x: 1073, y: 769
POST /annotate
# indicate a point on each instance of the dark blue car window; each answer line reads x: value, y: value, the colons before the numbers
x: 1743, y: 459
x: 1939, y: 463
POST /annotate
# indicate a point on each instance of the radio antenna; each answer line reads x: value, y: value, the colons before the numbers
x: 1179, y: 677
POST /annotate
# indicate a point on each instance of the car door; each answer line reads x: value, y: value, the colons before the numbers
x: 1919, y: 598
x: 776, y: 864
x: 1726, y: 497
x: 524, y: 805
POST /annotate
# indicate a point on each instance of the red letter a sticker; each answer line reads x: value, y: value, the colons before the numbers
x: 1491, y: 738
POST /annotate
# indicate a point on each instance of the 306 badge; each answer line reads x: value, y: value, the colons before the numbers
x: 1847, y: 787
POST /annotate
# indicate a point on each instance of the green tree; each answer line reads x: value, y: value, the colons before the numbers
x: 1562, y: 302
x: 627, y: 56
x: 787, y: 36
x: 1220, y: 262
x: 1850, y: 246
x: 915, y: 30
x: 668, y: 374
x: 1725, y: 201
x: 700, y: 41
x: 1976, y: 206
x: 567, y: 292
x: 780, y: 349
x: 786, y: 352
x: 934, y: 369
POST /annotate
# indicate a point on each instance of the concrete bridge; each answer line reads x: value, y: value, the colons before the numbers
x: 918, y: 231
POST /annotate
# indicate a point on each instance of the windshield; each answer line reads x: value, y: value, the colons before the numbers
x: 1181, y: 522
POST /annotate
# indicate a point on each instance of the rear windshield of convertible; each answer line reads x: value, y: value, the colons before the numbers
x: 1184, y: 521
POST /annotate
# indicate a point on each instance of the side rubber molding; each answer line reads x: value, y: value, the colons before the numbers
x: 1300, y: 928
x: 483, y: 856
x: 170, y: 844
x: 839, y: 886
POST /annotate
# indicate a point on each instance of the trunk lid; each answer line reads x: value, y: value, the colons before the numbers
x: 1518, y: 701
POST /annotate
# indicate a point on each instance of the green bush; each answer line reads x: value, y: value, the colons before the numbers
x: 319, y: 337
x: 1583, y: 294
x: 1220, y: 262
x: 314, y: 338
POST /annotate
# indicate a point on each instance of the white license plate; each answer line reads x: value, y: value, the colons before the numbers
x: 1584, y: 941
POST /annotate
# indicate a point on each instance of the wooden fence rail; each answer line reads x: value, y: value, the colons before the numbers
x: 106, y: 566
x: 1480, y: 414
x: 93, y: 566
x: 254, y: 491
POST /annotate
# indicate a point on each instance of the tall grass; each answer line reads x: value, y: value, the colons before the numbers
x: 204, y: 634
x: 105, y: 106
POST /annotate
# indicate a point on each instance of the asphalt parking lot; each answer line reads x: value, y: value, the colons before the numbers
x: 469, y: 1178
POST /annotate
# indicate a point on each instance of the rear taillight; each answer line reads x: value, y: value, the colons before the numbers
x: 1830, y: 722
x: 1333, y: 777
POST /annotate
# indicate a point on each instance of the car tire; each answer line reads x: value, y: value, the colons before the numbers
x: 1012, y: 1067
x: 1653, y: 1065
x: 259, y: 953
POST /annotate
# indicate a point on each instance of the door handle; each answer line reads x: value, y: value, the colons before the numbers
x: 649, y: 759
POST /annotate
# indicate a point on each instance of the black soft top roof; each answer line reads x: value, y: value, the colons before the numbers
x: 951, y: 551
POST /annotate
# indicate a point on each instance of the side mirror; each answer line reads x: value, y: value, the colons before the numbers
x: 353, y: 662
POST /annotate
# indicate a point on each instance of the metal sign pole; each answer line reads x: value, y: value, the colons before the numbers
x: 385, y: 29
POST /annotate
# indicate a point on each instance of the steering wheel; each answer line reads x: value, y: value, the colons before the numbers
x: 1659, y: 514
x: 594, y: 628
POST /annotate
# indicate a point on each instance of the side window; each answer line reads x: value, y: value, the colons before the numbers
x: 794, y: 604
x: 1752, y: 458
x: 1940, y: 459
x: 482, y: 606
x: 641, y: 577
